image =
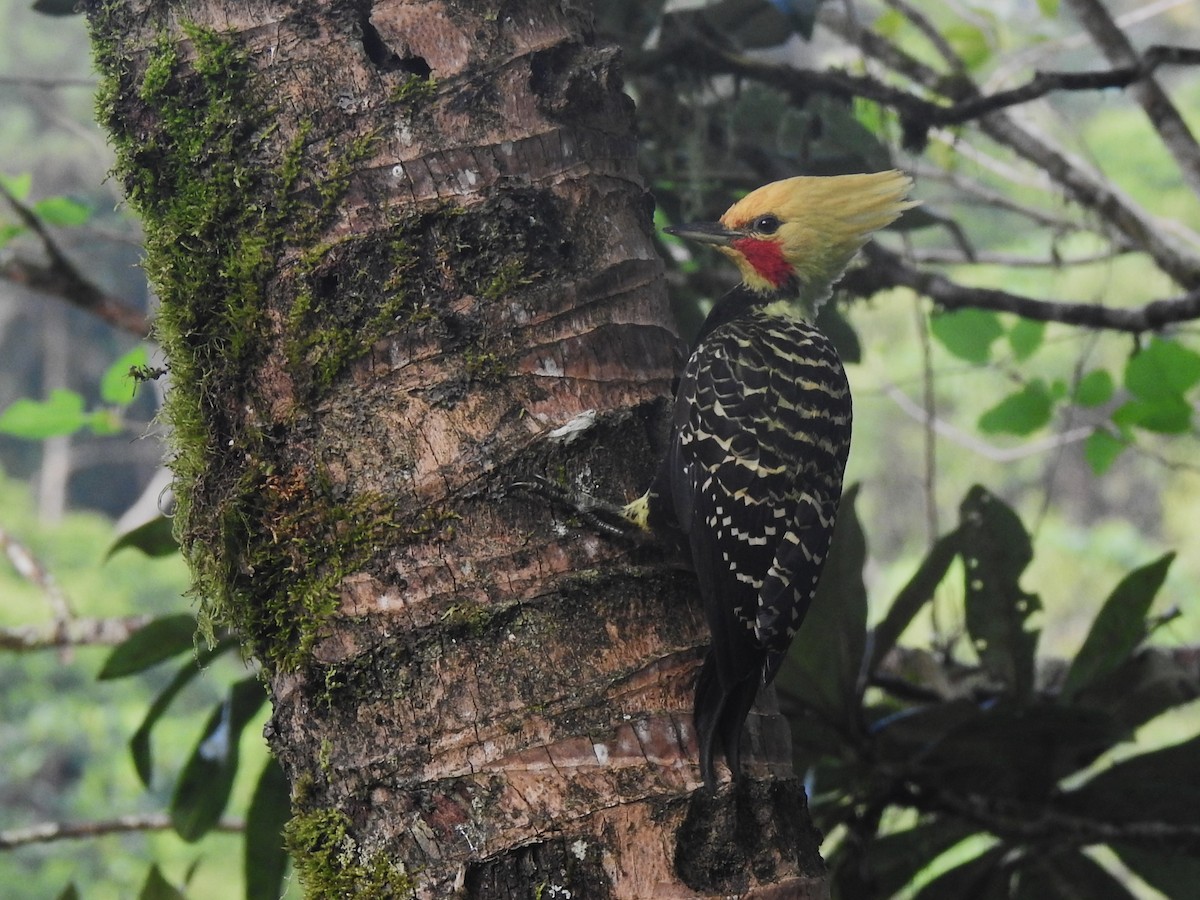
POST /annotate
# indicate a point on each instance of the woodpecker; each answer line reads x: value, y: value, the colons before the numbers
x: 750, y: 484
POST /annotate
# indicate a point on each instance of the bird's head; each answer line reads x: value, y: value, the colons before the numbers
x: 794, y: 238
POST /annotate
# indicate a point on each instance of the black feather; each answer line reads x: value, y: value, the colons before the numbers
x: 750, y: 486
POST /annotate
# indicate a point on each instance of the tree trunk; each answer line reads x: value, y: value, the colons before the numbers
x: 404, y: 260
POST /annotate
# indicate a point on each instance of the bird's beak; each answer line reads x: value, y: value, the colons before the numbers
x: 705, y: 233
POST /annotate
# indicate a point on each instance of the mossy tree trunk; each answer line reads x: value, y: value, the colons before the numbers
x: 399, y: 248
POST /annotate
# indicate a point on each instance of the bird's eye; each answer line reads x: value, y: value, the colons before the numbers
x: 766, y: 224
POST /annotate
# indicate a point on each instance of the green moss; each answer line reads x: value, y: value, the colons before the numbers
x: 236, y: 216
x: 198, y: 152
x: 509, y: 276
x: 471, y: 618
x: 413, y: 92
x: 332, y: 864
x: 485, y: 366
x: 294, y: 552
x: 325, y: 754
x: 351, y: 293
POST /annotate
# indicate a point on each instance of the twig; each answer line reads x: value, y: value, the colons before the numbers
x: 46, y: 832
x: 85, y: 632
x: 1117, y: 212
x: 62, y: 279
x: 30, y: 568
x: 48, y: 83
x: 888, y: 269
x: 929, y: 407
x: 1163, y: 114
x: 1010, y: 260
x: 1038, y: 822
x: 965, y: 439
x: 931, y: 33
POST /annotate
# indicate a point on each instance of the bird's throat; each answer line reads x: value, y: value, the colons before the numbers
x: 765, y: 267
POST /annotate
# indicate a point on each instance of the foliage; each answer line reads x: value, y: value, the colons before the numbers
x: 64, y: 413
x: 978, y: 739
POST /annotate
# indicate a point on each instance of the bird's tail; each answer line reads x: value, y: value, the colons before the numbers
x: 720, y: 715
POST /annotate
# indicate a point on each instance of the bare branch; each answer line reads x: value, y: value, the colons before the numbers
x: 1033, y: 822
x: 931, y: 33
x: 85, y: 632
x: 976, y: 445
x: 1163, y: 114
x: 1010, y: 260
x: 31, y: 569
x: 1116, y: 212
x: 47, y: 83
x: 46, y: 832
x: 888, y: 269
x: 62, y: 279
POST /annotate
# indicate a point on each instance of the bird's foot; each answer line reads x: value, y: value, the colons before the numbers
x: 606, y: 518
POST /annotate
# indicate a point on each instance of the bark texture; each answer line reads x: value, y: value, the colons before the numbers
x: 404, y: 259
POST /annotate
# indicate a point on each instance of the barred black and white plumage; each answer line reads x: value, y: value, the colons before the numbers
x: 750, y: 484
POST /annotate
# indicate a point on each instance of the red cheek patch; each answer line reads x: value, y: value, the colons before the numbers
x: 766, y: 258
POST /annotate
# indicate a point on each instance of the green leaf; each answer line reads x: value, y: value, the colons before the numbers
x: 1159, y: 786
x: 139, y: 744
x: 156, y: 887
x: 62, y: 212
x: 155, y: 538
x: 1021, y: 413
x: 983, y: 878
x: 151, y: 644
x: 1048, y: 8
x: 890, y: 23
x: 1002, y: 749
x: 204, y: 785
x: 117, y: 386
x: 996, y: 550
x: 1166, y: 414
x: 1067, y: 876
x: 967, y: 333
x: 969, y: 43
x: 1095, y: 388
x: 1025, y: 337
x: 1163, y: 368
x: 1172, y: 873
x: 1101, y: 450
x: 1148, y: 684
x: 913, y: 596
x: 9, y: 230
x: 17, y: 185
x: 104, y: 421
x: 890, y: 862
x: 822, y: 668
x: 270, y: 809
x: 1119, y: 627
x: 38, y: 419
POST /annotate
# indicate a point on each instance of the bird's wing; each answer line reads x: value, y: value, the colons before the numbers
x: 791, y: 582
x: 726, y: 492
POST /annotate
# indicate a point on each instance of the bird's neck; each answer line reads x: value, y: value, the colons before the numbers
x: 785, y: 302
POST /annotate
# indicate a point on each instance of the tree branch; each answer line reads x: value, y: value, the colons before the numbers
x: 965, y: 439
x: 1163, y: 114
x: 1038, y: 822
x: 30, y: 568
x: 62, y: 279
x: 46, y: 832
x: 1117, y: 213
x: 85, y: 632
x: 888, y: 269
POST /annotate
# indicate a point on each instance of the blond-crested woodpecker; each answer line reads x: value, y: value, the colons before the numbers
x: 750, y: 484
